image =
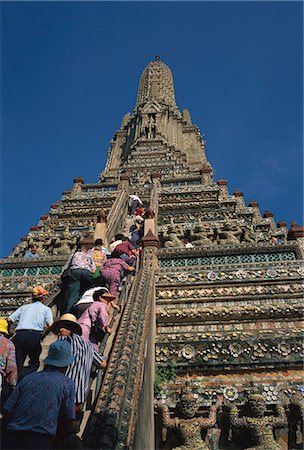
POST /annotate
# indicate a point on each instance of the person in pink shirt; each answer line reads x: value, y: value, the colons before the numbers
x: 125, y: 251
x: 113, y: 271
x: 96, y: 312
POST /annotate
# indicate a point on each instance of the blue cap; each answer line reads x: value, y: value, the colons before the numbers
x: 59, y: 354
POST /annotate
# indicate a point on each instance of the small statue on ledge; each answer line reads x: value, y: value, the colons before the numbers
x: 248, y: 234
x: 186, y: 422
x: 200, y: 236
x: 230, y: 234
x: 171, y: 238
x: 257, y: 423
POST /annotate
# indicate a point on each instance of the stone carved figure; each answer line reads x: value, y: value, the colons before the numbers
x: 101, y: 218
x: 59, y: 243
x: 48, y: 241
x: 186, y: 117
x: 125, y: 120
x: 19, y: 250
x: 150, y: 129
x: 257, y: 423
x: 201, y: 237
x: 248, y: 234
x: 230, y: 234
x: 171, y: 238
x: 37, y: 239
x: 186, y: 422
x: 65, y: 243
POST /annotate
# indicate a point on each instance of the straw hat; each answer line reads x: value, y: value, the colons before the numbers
x: 3, y: 326
x: 69, y: 322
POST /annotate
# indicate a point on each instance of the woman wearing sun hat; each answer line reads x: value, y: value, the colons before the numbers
x: 31, y: 318
x: 67, y: 328
x: 96, y: 312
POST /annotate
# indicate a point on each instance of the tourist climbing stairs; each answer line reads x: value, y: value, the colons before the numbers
x: 105, y: 347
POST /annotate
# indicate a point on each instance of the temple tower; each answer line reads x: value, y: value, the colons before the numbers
x: 156, y: 137
x: 224, y: 312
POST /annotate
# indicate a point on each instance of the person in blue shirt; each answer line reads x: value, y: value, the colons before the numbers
x: 32, y: 411
x: 32, y: 319
x: 32, y: 252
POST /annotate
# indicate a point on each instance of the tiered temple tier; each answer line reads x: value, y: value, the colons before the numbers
x: 223, y: 312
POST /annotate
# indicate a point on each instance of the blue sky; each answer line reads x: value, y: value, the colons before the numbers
x: 70, y: 71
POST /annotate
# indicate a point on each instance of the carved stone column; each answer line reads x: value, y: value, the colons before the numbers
x: 223, y: 185
x: 77, y: 184
x: 124, y: 413
x: 101, y: 227
x: 269, y: 215
x: 256, y: 210
x: 296, y: 233
x: 119, y: 208
x: 142, y: 433
x: 239, y: 196
x: 124, y: 182
x: 154, y: 195
x: 206, y: 173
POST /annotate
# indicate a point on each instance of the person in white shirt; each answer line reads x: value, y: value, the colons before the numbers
x: 32, y: 319
x: 187, y: 243
x: 135, y: 202
x: 86, y: 300
x: 117, y: 240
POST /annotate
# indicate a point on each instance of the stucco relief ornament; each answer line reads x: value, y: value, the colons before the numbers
x: 212, y: 276
x: 235, y: 350
x: 272, y: 273
x: 230, y: 393
x: 300, y: 271
x: 21, y: 286
x: 188, y: 351
x: 270, y: 393
x: 284, y: 348
x: 182, y: 277
x: 241, y: 273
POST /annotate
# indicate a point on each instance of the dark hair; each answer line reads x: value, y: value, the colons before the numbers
x: 119, y: 237
x: 125, y: 238
x: 97, y: 294
x: 98, y: 242
x: 79, y: 246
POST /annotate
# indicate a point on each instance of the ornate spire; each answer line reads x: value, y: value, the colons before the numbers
x: 156, y: 81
